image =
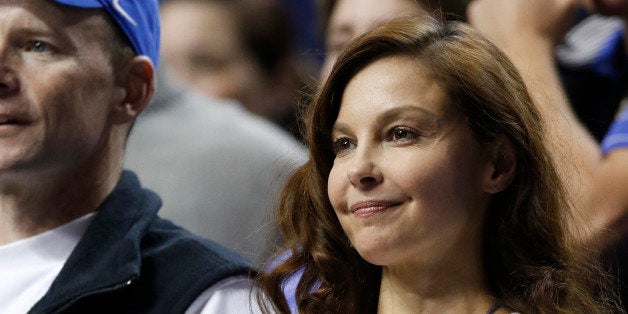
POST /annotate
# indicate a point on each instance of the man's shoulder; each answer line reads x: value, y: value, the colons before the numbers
x: 165, y: 239
x: 179, y: 263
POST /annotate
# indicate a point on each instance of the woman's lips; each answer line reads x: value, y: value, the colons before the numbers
x: 370, y: 207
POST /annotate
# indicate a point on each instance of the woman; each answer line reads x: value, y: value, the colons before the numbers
x: 429, y: 187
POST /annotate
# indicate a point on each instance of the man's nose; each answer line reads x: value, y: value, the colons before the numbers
x: 9, y: 83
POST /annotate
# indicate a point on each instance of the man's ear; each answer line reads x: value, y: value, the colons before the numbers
x: 137, y: 78
x: 503, y: 166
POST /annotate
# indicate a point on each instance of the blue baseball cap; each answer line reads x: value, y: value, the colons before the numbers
x: 138, y: 19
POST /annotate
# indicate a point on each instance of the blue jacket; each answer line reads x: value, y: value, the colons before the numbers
x: 131, y: 261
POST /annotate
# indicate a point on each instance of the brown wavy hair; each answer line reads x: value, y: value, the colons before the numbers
x: 529, y: 261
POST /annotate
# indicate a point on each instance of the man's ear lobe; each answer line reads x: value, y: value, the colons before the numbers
x: 137, y: 78
x: 503, y: 170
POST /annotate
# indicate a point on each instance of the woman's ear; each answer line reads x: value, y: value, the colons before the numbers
x: 503, y: 166
x: 137, y: 78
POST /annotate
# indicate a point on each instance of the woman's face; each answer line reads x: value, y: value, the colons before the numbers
x: 352, y: 18
x: 407, y: 179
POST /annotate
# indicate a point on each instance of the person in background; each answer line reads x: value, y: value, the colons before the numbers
x: 597, y: 175
x: 593, y: 65
x: 241, y: 50
x: 430, y: 187
x: 597, y: 179
x: 78, y: 234
x: 217, y: 167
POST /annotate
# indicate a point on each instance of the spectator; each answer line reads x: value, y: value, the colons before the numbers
x: 597, y: 182
x: 597, y: 175
x: 79, y: 234
x: 241, y: 50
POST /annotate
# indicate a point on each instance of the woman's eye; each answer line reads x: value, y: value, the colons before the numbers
x: 342, y: 145
x: 403, y: 134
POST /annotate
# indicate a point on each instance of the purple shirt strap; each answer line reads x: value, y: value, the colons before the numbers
x: 617, y: 136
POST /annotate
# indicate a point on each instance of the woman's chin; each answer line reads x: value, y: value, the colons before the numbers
x: 375, y: 254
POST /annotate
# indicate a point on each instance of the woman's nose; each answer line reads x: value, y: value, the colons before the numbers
x: 363, y: 173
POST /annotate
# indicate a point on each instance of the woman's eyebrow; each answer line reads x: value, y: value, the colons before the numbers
x: 401, y: 111
x: 340, y: 128
x: 396, y: 113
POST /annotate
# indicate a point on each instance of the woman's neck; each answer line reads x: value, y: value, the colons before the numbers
x: 439, y: 289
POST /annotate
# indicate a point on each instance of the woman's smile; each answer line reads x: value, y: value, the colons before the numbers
x: 368, y: 208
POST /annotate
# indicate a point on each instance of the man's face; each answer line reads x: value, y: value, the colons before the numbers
x: 57, y: 85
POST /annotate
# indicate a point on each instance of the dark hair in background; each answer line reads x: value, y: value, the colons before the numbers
x: 530, y: 262
x: 266, y: 29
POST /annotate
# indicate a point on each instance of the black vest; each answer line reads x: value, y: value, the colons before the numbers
x: 131, y: 261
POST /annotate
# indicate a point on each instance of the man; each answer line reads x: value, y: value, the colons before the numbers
x: 77, y: 234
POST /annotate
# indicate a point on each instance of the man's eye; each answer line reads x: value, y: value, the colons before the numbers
x: 342, y: 145
x: 38, y: 46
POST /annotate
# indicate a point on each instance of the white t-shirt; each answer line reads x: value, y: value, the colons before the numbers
x: 29, y: 266
x: 231, y: 295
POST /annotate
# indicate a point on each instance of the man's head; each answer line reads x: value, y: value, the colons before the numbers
x: 63, y: 102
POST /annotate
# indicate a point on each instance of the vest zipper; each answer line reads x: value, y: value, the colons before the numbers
x: 117, y: 286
